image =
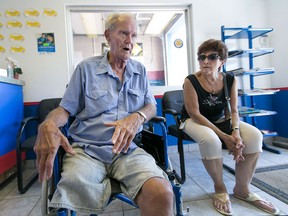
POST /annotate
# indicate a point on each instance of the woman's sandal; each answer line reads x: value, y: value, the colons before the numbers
x: 252, y: 197
x: 223, y: 198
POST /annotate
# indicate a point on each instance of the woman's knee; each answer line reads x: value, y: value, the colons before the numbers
x: 252, y: 138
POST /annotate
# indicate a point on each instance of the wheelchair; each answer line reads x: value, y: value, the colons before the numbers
x: 152, y: 142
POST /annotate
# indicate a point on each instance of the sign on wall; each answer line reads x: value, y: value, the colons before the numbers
x: 46, y: 42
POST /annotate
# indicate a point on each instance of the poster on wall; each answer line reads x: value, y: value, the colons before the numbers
x: 137, y: 49
x: 46, y: 43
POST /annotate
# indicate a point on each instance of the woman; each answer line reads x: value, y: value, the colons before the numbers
x: 205, y: 106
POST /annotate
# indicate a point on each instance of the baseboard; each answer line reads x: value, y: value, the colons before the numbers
x: 7, y: 174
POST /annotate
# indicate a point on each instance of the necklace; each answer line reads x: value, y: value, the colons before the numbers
x: 213, y: 90
x: 214, y: 84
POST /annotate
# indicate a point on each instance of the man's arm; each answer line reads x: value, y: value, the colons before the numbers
x: 126, y: 129
x: 49, y: 139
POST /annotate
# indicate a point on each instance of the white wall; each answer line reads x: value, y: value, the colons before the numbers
x: 278, y: 19
x: 46, y: 75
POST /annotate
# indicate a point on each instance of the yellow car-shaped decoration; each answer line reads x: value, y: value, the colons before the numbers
x: 17, y: 49
x: 14, y: 24
x: 16, y: 37
x: 12, y: 13
x: 31, y: 13
x: 32, y: 23
x: 2, y: 49
x: 49, y: 12
x: 2, y: 37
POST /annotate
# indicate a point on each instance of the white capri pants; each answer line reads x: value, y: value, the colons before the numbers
x: 210, y: 145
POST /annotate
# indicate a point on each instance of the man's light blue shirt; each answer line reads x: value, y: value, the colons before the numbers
x: 95, y: 95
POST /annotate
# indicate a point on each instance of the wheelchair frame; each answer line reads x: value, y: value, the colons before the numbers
x: 49, y: 186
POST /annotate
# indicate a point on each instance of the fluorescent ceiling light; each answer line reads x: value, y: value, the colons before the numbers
x: 91, y: 23
x: 159, y: 22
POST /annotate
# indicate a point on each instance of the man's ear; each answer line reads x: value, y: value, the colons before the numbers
x: 107, y: 35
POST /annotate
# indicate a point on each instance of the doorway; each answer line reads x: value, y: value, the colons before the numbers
x: 162, y: 43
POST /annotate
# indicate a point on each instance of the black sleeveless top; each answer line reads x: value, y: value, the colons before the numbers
x: 212, y: 106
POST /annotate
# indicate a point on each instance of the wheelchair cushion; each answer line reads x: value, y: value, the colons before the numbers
x: 115, y: 186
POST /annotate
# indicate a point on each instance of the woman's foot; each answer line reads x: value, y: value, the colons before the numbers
x: 260, y: 203
x: 222, y: 204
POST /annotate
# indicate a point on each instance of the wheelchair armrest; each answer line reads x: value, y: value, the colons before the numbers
x: 157, y: 119
x: 171, y: 112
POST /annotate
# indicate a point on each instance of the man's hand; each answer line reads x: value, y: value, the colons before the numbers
x: 48, y: 141
x: 125, y: 131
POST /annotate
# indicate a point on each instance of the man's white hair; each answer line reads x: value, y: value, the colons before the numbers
x: 113, y: 19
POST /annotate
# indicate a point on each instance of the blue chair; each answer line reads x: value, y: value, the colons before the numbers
x: 153, y: 143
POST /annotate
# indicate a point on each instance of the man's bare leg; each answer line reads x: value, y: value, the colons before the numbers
x: 156, y: 198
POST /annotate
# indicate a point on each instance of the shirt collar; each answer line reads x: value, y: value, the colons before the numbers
x: 105, y: 67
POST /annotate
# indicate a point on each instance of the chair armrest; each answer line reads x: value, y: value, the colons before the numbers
x: 23, y: 125
x: 29, y: 119
x: 176, y: 116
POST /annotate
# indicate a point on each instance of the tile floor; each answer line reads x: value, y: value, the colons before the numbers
x: 196, y: 191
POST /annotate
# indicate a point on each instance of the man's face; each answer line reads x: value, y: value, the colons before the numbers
x: 122, y: 39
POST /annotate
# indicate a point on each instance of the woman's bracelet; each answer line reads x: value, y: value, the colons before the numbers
x: 235, y: 128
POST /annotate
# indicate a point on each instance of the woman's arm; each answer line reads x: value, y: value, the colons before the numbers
x: 235, y: 121
x: 234, y: 105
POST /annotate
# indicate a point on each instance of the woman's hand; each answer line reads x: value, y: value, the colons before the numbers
x: 229, y: 141
x: 238, y: 156
x: 239, y: 146
x: 235, y: 146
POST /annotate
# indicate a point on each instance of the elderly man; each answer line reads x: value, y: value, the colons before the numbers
x: 111, y: 99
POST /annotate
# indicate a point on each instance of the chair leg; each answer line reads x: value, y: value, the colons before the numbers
x: 20, y: 179
x: 181, y: 179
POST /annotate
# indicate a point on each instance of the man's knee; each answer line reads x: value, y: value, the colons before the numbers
x: 156, y: 198
x: 156, y: 189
